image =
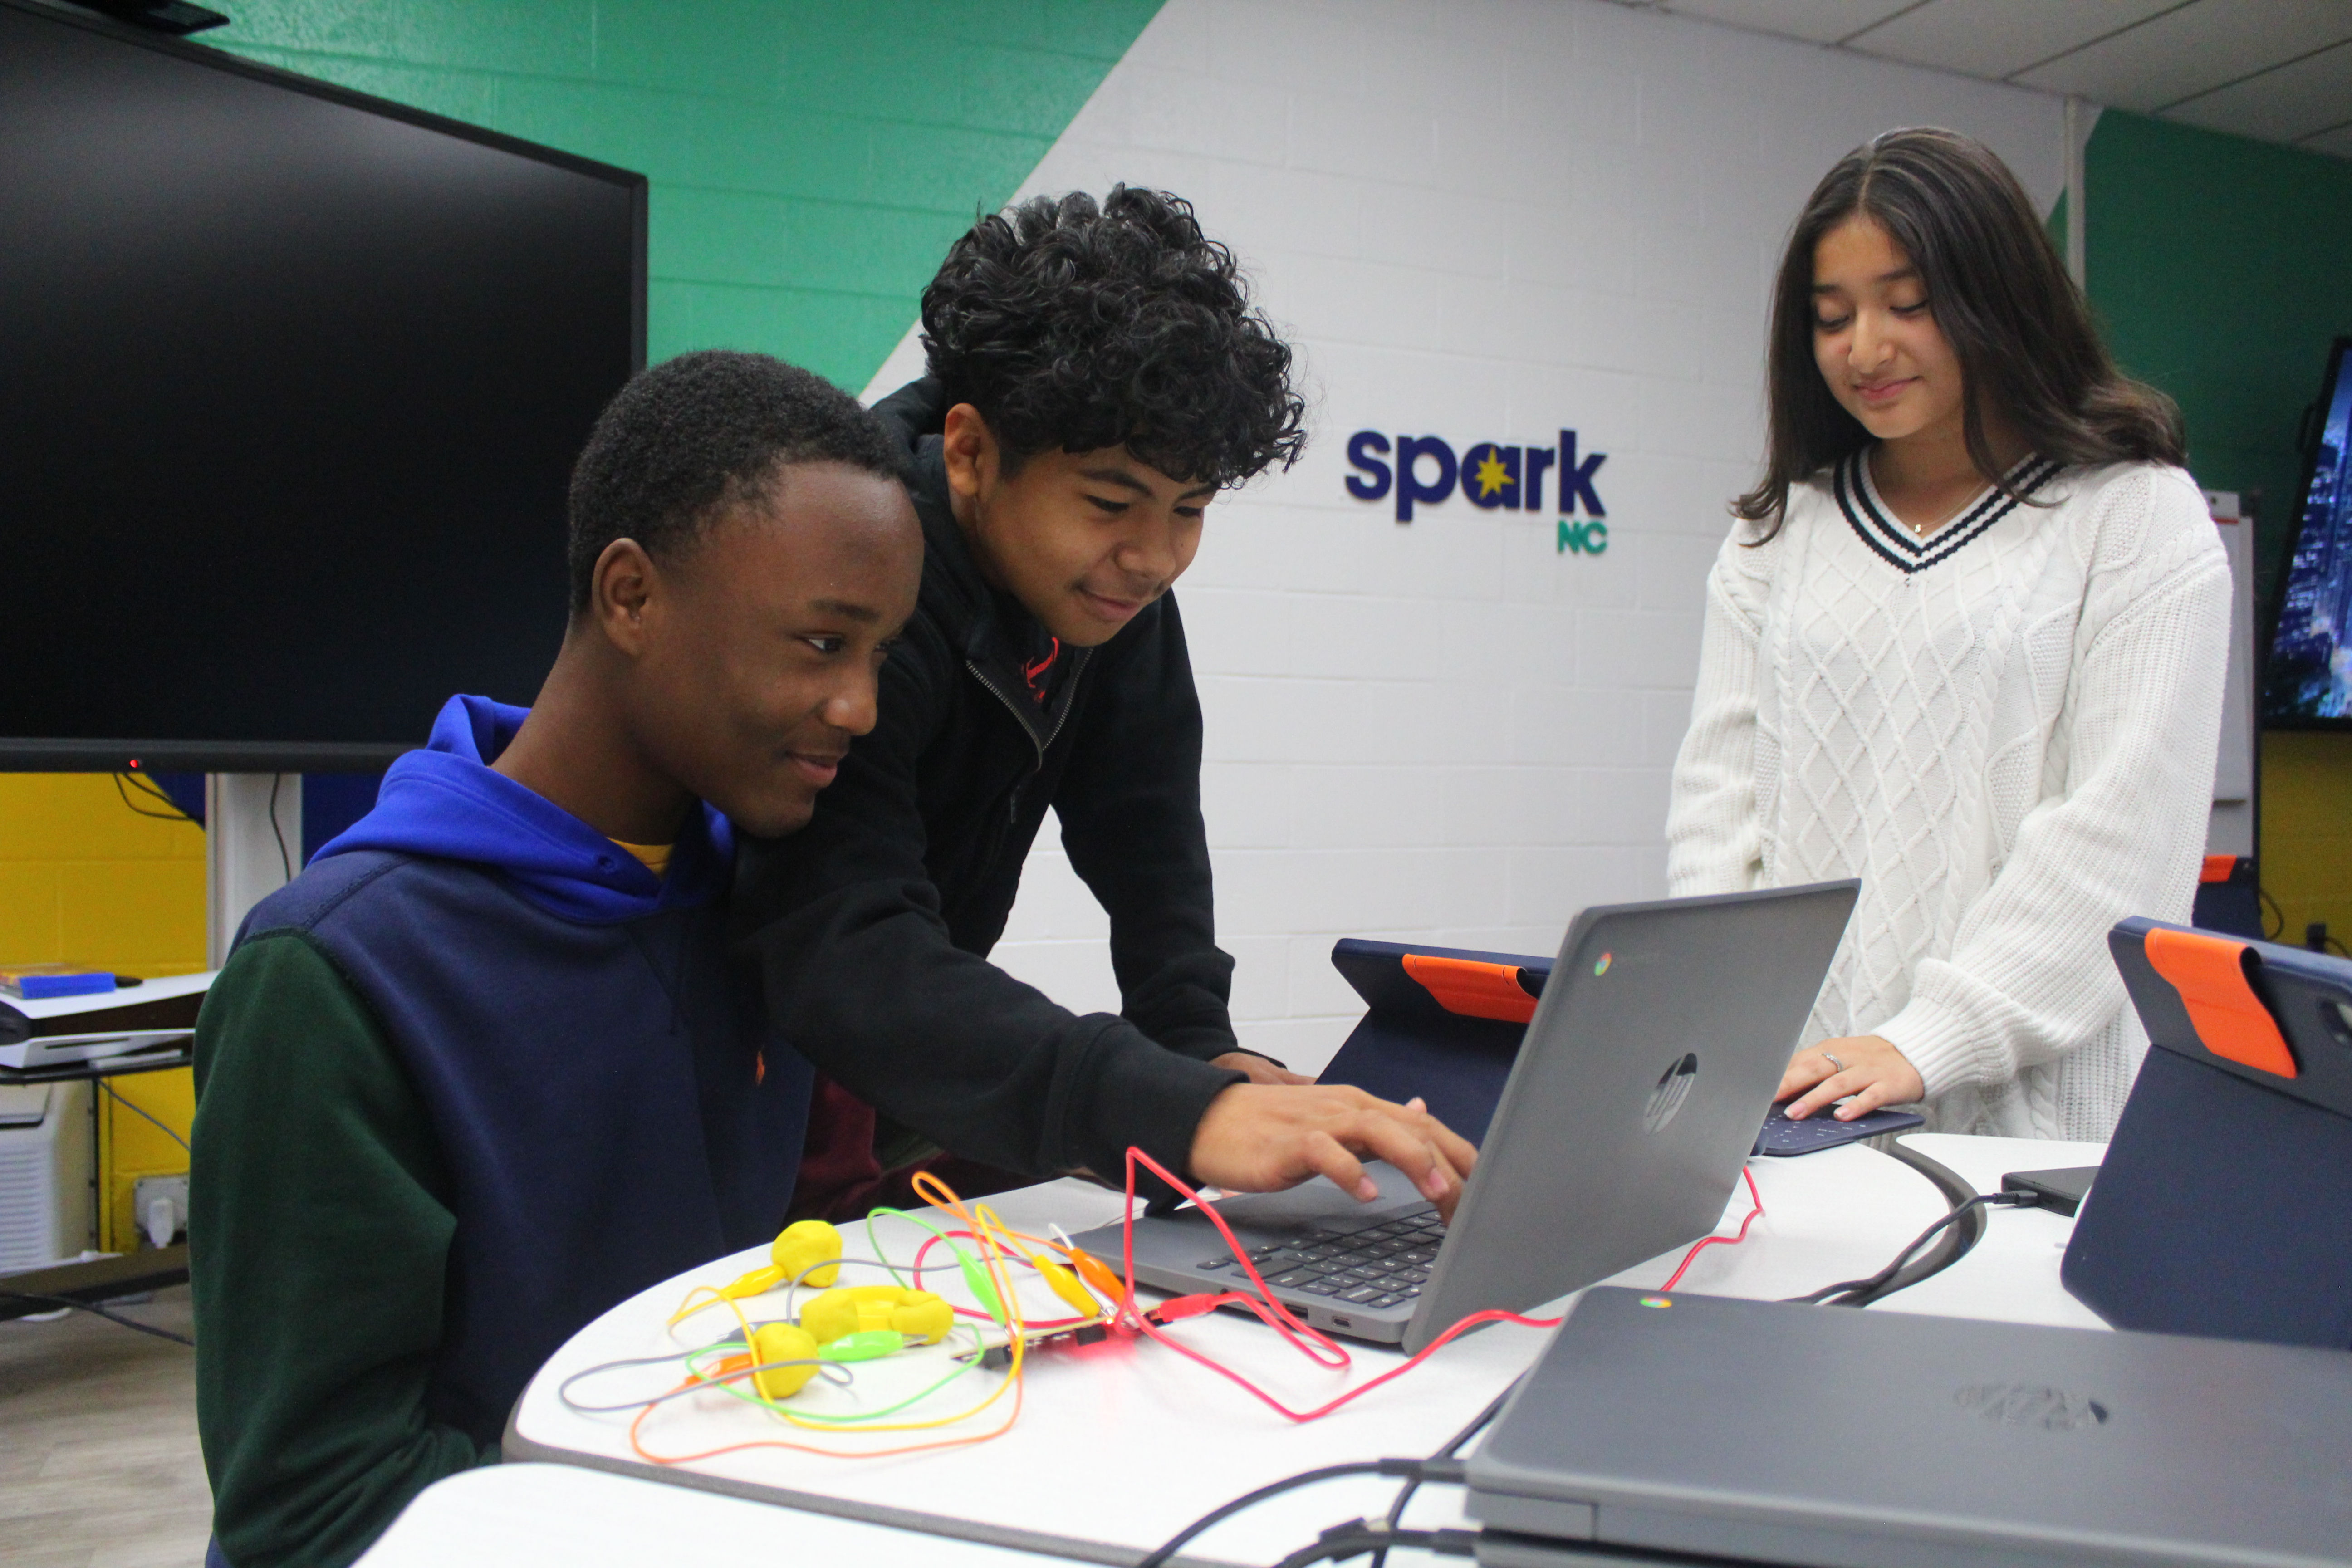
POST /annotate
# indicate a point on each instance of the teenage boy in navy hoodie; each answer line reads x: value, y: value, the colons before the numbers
x: 484, y: 1069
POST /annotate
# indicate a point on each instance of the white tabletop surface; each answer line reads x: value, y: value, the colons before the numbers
x: 1120, y: 1445
x: 514, y: 1514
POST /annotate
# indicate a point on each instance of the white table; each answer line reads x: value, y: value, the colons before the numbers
x: 508, y: 1514
x: 1120, y: 1444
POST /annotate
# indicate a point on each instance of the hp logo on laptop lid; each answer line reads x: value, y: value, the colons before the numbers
x: 1674, y: 1088
x: 2031, y: 1405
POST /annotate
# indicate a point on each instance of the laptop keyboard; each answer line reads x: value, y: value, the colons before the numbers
x: 1381, y: 1266
x: 1822, y: 1130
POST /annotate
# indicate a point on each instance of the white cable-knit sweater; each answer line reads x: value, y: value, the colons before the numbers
x: 2006, y: 730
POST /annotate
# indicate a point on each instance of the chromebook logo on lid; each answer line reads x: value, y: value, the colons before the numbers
x: 1601, y: 967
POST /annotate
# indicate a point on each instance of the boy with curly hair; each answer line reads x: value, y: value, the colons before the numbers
x: 1098, y: 375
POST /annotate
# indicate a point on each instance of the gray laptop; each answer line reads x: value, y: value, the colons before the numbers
x: 1662, y: 1429
x: 1647, y: 1069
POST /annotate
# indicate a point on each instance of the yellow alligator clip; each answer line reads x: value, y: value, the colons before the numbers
x: 1065, y: 1285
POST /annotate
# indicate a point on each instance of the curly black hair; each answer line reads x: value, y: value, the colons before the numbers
x: 1076, y: 326
x: 692, y: 435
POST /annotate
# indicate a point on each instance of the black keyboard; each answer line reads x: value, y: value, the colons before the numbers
x: 1822, y: 1130
x: 1380, y: 1266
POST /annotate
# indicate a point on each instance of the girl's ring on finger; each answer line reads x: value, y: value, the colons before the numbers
x: 1834, y: 1061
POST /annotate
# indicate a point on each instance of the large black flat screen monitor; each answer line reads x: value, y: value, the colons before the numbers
x: 291, y: 381
x: 2307, y: 684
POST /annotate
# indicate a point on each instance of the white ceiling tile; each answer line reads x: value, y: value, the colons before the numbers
x: 1817, y: 21
x: 2337, y: 141
x: 2312, y: 94
x: 2194, y: 49
x: 1992, y: 38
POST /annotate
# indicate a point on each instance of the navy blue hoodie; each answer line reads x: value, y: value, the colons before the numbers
x: 608, y: 1099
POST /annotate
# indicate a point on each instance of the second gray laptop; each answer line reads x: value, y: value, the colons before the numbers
x: 1649, y: 1065
x: 1661, y: 1429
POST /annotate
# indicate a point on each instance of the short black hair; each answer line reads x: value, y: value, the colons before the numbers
x: 1078, y: 327
x: 693, y: 436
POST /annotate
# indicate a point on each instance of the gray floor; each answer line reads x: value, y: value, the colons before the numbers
x: 99, y: 1463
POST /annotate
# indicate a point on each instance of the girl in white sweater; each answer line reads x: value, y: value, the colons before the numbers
x: 1966, y: 642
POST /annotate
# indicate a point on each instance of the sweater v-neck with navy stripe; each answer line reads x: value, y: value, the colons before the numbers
x: 1908, y: 549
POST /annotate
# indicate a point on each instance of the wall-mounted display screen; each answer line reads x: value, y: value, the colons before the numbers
x: 2308, y: 682
x: 291, y: 381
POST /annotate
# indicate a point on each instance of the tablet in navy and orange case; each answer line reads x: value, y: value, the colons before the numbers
x: 1446, y: 1023
x: 2225, y: 1199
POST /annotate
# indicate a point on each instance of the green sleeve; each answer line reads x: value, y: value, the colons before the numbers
x: 319, y: 1241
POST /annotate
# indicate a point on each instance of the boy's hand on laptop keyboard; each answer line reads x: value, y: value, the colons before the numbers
x: 1261, y: 1138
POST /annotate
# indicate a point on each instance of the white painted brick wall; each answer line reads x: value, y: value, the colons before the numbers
x: 1482, y: 219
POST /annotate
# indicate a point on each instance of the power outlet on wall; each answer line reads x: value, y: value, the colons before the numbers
x: 160, y: 1205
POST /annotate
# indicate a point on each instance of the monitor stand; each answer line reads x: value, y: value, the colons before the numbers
x: 249, y: 854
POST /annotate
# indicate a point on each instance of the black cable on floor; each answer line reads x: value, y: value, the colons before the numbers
x: 98, y: 1312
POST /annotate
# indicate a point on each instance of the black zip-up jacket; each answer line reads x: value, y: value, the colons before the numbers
x: 872, y: 924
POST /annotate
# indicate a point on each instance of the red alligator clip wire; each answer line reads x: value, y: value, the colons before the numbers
x: 1183, y: 1307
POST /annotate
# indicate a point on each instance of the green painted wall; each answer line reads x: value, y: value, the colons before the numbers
x: 810, y: 161
x: 2223, y: 269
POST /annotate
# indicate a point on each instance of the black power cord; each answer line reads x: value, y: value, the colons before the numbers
x: 100, y: 1312
x: 285, y: 860
x: 1886, y: 1282
x: 1957, y: 1241
x: 126, y: 784
x: 1359, y: 1536
x: 1447, y: 1450
x: 1411, y: 1469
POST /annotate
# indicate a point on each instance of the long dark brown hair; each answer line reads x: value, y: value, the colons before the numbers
x: 1999, y: 292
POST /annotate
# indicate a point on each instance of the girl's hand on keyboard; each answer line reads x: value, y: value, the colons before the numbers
x: 1865, y: 1065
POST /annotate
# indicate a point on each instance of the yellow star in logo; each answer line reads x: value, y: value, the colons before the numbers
x: 1492, y: 475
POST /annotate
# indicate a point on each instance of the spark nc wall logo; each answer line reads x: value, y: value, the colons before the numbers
x: 1423, y: 471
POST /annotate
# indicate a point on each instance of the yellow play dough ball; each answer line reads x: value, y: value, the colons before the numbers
x: 773, y: 1343
x: 805, y: 1243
